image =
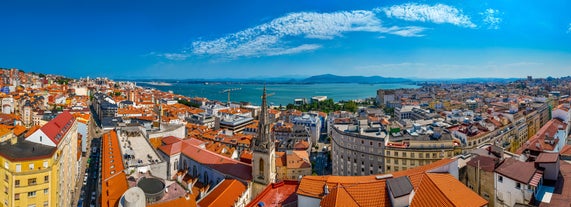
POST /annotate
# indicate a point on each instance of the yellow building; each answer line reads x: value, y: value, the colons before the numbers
x: 40, y: 170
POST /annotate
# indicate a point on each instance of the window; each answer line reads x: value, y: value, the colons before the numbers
x: 388, y: 153
x: 518, y: 185
x: 46, y: 191
x: 486, y: 196
x: 500, y: 179
x: 396, y: 154
x: 18, y: 168
x: 17, y: 196
x: 32, y: 181
x: 32, y: 194
x: 47, y: 178
x: 45, y: 164
x: 404, y: 162
x: 6, y: 178
x: 31, y: 166
x: 404, y: 154
x: 46, y: 204
x: 420, y: 155
x: 6, y: 165
x: 6, y: 190
x: 17, y: 183
x: 412, y: 155
x: 371, y: 143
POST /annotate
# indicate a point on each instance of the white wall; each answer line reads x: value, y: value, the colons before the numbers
x: 307, y: 201
x: 508, y: 191
x: 45, y: 140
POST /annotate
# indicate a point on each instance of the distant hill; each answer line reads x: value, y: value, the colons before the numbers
x: 329, y: 78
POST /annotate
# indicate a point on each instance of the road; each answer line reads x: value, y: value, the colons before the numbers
x: 92, y: 169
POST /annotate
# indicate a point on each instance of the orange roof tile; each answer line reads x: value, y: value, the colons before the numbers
x: 445, y: 190
x: 370, y: 191
x: 19, y: 130
x: 225, y: 194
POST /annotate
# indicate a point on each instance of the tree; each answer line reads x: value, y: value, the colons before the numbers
x: 350, y: 106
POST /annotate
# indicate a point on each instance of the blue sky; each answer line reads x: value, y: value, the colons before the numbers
x: 242, y: 39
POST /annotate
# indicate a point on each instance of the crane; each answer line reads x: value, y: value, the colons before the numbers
x: 228, y: 91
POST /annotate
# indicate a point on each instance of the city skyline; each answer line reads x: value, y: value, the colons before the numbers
x: 428, y: 39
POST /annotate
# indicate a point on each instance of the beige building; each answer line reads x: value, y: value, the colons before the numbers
x: 292, y: 165
x: 479, y: 177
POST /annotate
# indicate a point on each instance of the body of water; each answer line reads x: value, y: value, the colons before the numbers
x: 280, y: 93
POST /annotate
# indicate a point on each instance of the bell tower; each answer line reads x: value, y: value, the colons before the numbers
x: 263, y: 148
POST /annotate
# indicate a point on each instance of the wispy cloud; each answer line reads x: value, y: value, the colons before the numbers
x: 491, y: 19
x: 439, y: 13
x: 569, y: 29
x: 269, y: 39
x: 174, y: 56
x: 306, y: 31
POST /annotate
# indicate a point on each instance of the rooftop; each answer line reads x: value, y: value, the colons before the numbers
x: 25, y: 150
x: 517, y: 170
x: 141, y: 152
x: 277, y: 194
x: 225, y: 194
x: 433, y: 185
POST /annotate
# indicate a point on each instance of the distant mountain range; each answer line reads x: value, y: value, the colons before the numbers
x: 328, y: 78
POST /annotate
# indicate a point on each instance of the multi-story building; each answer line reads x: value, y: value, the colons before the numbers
x: 357, y: 149
x: 292, y: 164
x: 41, y: 170
x: 418, y: 146
x: 312, y: 121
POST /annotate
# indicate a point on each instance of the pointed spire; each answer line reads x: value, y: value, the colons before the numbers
x: 263, y: 140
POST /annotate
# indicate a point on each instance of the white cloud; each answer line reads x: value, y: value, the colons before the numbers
x: 491, y: 19
x: 269, y: 39
x: 438, y: 13
x: 173, y: 56
x: 302, y: 31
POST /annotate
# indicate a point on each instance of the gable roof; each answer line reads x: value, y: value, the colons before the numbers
x: 225, y: 194
x: 517, y: 170
x: 370, y: 191
x: 58, y: 127
x: 277, y: 194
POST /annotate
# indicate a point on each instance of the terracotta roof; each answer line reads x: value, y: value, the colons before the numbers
x: 190, y: 202
x: 548, y: 130
x: 19, y: 130
x: 113, y: 182
x: 58, y: 127
x: 225, y: 194
x: 277, y: 194
x: 566, y: 150
x: 298, y: 159
x: 170, y: 140
x: 4, y: 130
x: 192, y: 149
x: 370, y: 191
x: 432, y: 190
x: 517, y: 170
x: 547, y: 158
x: 339, y: 197
x: 485, y: 163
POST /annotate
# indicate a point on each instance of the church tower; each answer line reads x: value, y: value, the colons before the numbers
x: 264, y: 150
